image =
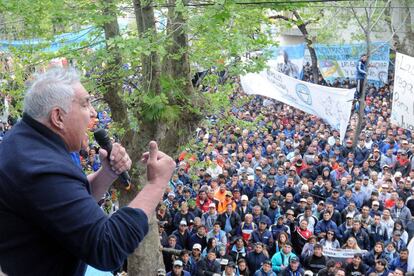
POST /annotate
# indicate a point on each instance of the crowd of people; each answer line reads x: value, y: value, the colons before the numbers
x: 282, y: 196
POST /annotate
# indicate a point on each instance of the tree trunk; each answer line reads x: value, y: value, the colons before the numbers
x: 312, y: 52
x: 111, y: 80
x: 145, y: 19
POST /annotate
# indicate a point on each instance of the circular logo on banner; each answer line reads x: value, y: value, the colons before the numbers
x: 303, y: 93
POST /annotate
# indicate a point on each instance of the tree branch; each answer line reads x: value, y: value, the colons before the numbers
x: 357, y: 19
x: 380, y: 15
x: 281, y: 17
x: 392, y: 35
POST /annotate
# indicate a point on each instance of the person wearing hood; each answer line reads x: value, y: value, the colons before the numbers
x: 293, y: 269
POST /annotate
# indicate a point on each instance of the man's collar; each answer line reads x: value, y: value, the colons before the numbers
x: 42, y: 129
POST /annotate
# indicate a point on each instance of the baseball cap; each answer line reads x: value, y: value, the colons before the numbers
x: 250, y: 177
x: 244, y: 197
x: 171, y: 194
x: 212, y: 205
x: 258, y: 168
x: 183, y: 222
x: 294, y: 259
x: 178, y: 263
x: 197, y: 246
x: 228, y: 193
x: 349, y: 216
x: 231, y: 264
x: 269, y: 262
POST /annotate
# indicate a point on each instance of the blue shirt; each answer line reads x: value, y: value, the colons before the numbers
x: 50, y: 223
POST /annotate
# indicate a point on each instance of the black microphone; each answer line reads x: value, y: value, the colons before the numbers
x: 101, y: 136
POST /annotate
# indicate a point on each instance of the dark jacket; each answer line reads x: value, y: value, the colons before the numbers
x: 234, y: 221
x: 255, y: 261
x: 205, y: 267
x: 49, y: 220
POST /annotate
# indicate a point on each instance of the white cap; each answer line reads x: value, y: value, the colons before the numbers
x: 250, y: 177
x: 244, y: 197
x: 212, y: 205
x: 197, y: 246
x: 178, y: 262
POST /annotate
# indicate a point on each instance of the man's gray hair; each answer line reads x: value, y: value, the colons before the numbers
x: 54, y: 88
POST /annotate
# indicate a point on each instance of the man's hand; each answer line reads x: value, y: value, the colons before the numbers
x: 118, y: 162
x: 159, y: 166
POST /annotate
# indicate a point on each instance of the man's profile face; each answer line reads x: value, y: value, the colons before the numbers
x: 76, y: 120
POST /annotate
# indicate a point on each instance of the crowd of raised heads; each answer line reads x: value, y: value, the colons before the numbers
x: 280, y: 193
x: 283, y: 193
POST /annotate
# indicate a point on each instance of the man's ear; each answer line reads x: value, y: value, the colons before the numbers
x: 56, y: 118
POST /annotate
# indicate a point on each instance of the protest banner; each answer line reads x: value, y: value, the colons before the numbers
x: 403, y: 96
x: 330, y: 104
x: 340, y: 61
x: 289, y: 59
x: 342, y: 256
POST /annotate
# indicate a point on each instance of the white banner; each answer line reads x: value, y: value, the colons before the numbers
x: 331, y: 104
x: 403, y: 96
x: 342, y: 253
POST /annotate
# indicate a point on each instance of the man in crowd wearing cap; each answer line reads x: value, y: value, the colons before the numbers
x: 182, y: 235
x: 178, y: 269
x: 259, y: 200
x: 229, y: 269
x: 243, y: 208
x: 230, y: 220
x: 338, y: 202
x: 403, y: 164
x: 263, y: 235
x: 294, y: 268
x: 209, y: 218
x: 274, y: 210
x: 396, y: 239
x: 209, y: 265
x: 281, y: 259
x: 265, y: 269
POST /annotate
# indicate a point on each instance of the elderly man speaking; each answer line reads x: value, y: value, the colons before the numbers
x: 51, y: 223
